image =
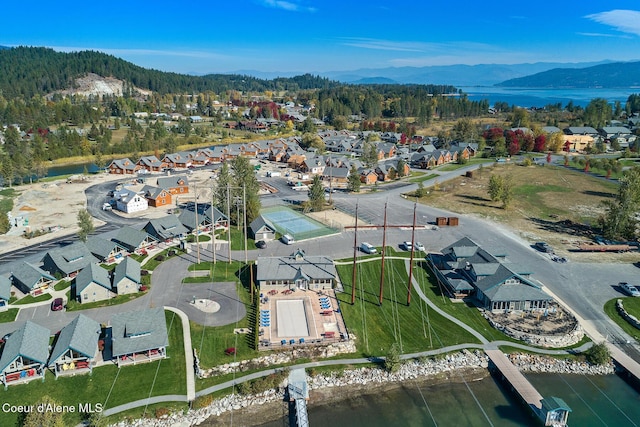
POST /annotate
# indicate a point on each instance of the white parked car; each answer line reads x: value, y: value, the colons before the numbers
x: 419, y: 247
x: 629, y: 289
x: 407, y: 246
x: 368, y: 248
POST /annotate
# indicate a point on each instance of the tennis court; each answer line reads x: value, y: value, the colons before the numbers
x: 298, y: 225
x: 292, y: 319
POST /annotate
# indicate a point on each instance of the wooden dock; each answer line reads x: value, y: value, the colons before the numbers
x: 520, y: 384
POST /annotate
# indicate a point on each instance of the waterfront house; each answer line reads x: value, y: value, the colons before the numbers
x: 76, y: 347
x: 139, y: 336
x: 24, y: 354
x: 123, y: 167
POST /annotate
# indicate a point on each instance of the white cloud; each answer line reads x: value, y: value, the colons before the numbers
x: 626, y: 21
x: 150, y: 52
x: 413, y: 46
x: 287, y: 5
x: 604, y: 35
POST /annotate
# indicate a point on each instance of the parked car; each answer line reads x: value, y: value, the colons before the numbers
x: 368, y: 248
x: 106, y: 207
x: 261, y: 244
x: 543, y: 247
x: 630, y: 290
x: 57, y: 304
x: 407, y: 246
x: 287, y: 239
x: 419, y: 247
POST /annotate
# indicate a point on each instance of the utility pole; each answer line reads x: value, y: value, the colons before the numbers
x: 229, y: 220
x: 384, y: 246
x: 244, y: 226
x: 197, y: 226
x: 213, y: 227
x: 413, y: 249
x: 355, y: 251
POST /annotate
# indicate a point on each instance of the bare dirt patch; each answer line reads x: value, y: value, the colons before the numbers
x: 551, y: 204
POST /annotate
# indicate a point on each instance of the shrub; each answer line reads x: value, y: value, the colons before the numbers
x: 598, y: 354
x: 160, y: 412
x: 202, y: 401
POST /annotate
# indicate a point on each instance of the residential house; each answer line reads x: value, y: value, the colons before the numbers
x: 24, y: 355
x: 262, y: 229
x: 176, y: 185
x: 68, y: 260
x: 166, y: 228
x: 314, y: 165
x: 386, y: 150
x: 368, y: 176
x: 466, y: 151
x: 176, y: 160
x: 123, y: 167
x: 215, y: 217
x: 157, y: 197
x: 30, y: 279
x: 139, y: 336
x: 5, y: 292
x: 131, y: 201
x: 465, y: 269
x: 551, y: 129
x: 151, y: 164
x: 134, y: 240
x: 107, y: 251
x: 335, y: 175
x: 76, y: 347
x: 295, y: 271
x: 578, y: 142
x: 127, y: 277
x: 580, y: 130
x: 93, y: 284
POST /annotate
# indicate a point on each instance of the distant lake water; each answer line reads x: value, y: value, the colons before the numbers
x: 528, y: 97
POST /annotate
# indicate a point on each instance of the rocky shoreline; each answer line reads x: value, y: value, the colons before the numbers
x: 464, y: 365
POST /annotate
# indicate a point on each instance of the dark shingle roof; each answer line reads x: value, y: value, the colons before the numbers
x: 100, y: 247
x: 139, y: 331
x: 166, y: 227
x: 30, y: 341
x: 81, y: 335
x: 74, y: 257
x: 130, y: 237
x: 129, y: 268
x: 93, y: 273
x: 288, y: 268
x: 5, y: 288
x: 29, y: 275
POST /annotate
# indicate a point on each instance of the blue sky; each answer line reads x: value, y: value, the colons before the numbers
x: 328, y: 35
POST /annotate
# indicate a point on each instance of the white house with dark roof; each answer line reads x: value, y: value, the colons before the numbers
x: 25, y: 354
x: 68, y: 260
x: 76, y: 347
x: 92, y: 284
x: 464, y: 269
x: 131, y: 201
x: 139, y: 336
x: 30, y: 279
x: 296, y: 271
x: 126, y: 277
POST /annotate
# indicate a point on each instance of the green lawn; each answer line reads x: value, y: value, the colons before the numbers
x: 377, y: 328
x: 632, y: 306
x: 8, y: 315
x: 218, y: 272
x: 62, y: 285
x: 455, y: 166
x: 123, y: 385
x: 423, y: 177
x: 30, y: 299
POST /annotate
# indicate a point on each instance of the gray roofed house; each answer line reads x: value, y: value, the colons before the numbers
x: 126, y: 277
x: 166, y: 228
x: 496, y: 286
x: 25, y: 354
x: 105, y: 250
x: 133, y: 239
x: 76, y: 347
x: 93, y: 284
x: 122, y: 166
x: 151, y: 163
x: 580, y: 130
x: 551, y: 129
x: 5, y: 291
x: 296, y: 271
x: 262, y: 229
x: 139, y: 336
x: 68, y: 260
x: 29, y: 278
x: 191, y: 220
x: 174, y: 184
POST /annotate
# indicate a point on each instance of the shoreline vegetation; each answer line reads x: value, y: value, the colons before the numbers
x: 332, y: 386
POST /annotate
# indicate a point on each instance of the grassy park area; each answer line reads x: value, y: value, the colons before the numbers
x: 632, y: 306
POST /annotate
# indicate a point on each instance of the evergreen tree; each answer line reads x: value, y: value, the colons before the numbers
x: 85, y: 222
x: 316, y: 194
x: 244, y: 177
x: 353, y: 184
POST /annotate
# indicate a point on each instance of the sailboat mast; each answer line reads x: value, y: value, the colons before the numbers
x: 413, y: 249
x: 355, y: 253
x: 383, y: 250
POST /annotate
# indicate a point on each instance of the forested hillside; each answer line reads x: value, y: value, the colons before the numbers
x: 614, y: 75
x: 28, y: 71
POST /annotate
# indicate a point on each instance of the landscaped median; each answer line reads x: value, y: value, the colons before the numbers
x: 631, y: 306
